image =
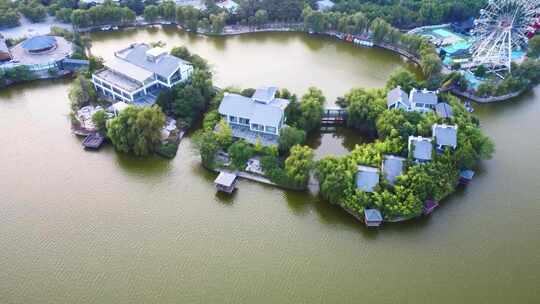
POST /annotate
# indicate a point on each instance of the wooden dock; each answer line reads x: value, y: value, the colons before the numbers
x: 334, y: 116
x: 93, y: 141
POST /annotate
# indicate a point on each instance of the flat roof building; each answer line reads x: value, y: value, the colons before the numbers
x: 138, y: 73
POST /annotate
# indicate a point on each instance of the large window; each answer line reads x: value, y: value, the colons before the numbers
x: 257, y: 127
x: 244, y: 121
x: 233, y: 119
x: 270, y: 129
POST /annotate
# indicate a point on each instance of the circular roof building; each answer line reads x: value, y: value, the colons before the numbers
x: 39, y: 44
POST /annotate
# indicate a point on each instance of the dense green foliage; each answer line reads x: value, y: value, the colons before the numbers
x: 81, y: 93
x: 8, y: 14
x: 433, y: 180
x: 534, y: 47
x: 100, y: 121
x: 15, y: 74
x: 306, y: 114
x: 299, y: 164
x: 522, y: 77
x: 137, y: 130
x: 289, y: 137
x: 108, y: 13
x: 33, y: 10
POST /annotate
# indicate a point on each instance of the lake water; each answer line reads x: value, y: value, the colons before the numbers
x: 84, y: 227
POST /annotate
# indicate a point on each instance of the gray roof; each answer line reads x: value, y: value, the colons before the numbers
x: 372, y: 215
x: 128, y: 69
x: 392, y: 167
x: 396, y: 95
x: 265, y: 94
x: 367, y: 178
x: 445, y: 135
x: 267, y: 114
x: 164, y: 66
x: 444, y: 110
x: 423, y: 147
x: 424, y: 96
x: 225, y: 179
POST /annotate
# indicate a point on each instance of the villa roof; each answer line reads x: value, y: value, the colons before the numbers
x: 367, y: 178
x: 444, y: 110
x: 423, y: 147
x: 164, y: 65
x: 265, y: 94
x: 130, y: 70
x: 445, y: 135
x: 396, y: 95
x: 392, y: 167
x: 267, y: 114
x: 424, y: 96
x: 225, y: 179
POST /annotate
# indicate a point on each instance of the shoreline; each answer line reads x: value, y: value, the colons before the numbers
x: 235, y: 30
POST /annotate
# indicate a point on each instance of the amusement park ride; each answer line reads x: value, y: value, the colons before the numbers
x: 503, y: 28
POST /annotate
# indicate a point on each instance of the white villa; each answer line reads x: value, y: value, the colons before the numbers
x: 257, y: 118
x: 420, y: 101
x: 137, y: 74
x: 445, y: 136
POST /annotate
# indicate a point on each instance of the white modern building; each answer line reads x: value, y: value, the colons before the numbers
x: 138, y: 73
x: 257, y: 118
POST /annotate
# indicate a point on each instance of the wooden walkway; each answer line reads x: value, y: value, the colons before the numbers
x: 334, y: 116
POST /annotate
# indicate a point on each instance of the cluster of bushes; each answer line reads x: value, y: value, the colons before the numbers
x: 108, y: 13
x: 522, y: 77
x: 434, y: 180
x: 15, y: 74
x: 413, y: 13
x: 187, y: 101
x: 9, y: 16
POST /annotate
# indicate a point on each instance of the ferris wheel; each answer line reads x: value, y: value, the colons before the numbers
x: 503, y: 27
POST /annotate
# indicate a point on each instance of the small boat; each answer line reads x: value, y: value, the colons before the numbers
x: 115, y: 28
x: 106, y: 28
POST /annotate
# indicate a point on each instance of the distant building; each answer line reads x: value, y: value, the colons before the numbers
x: 228, y: 5
x: 392, y: 167
x: 259, y: 117
x: 39, y: 53
x: 423, y: 101
x: 138, y: 73
x: 198, y: 4
x: 445, y: 136
x: 398, y: 99
x: 421, y: 148
x: 367, y: 178
x: 464, y: 27
x: 324, y: 5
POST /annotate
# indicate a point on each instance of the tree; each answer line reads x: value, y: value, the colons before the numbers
x: 100, y: 121
x: 217, y: 22
x: 299, y: 164
x: 224, y: 134
x: 206, y: 143
x: 534, y: 47
x: 240, y: 152
x: 363, y: 108
x: 81, y: 93
x: 481, y: 71
x: 33, y: 10
x: 311, y: 108
x: 431, y: 65
x: 151, y: 13
x: 403, y: 78
x: 136, y: 130
x: 289, y: 137
x: 261, y: 17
